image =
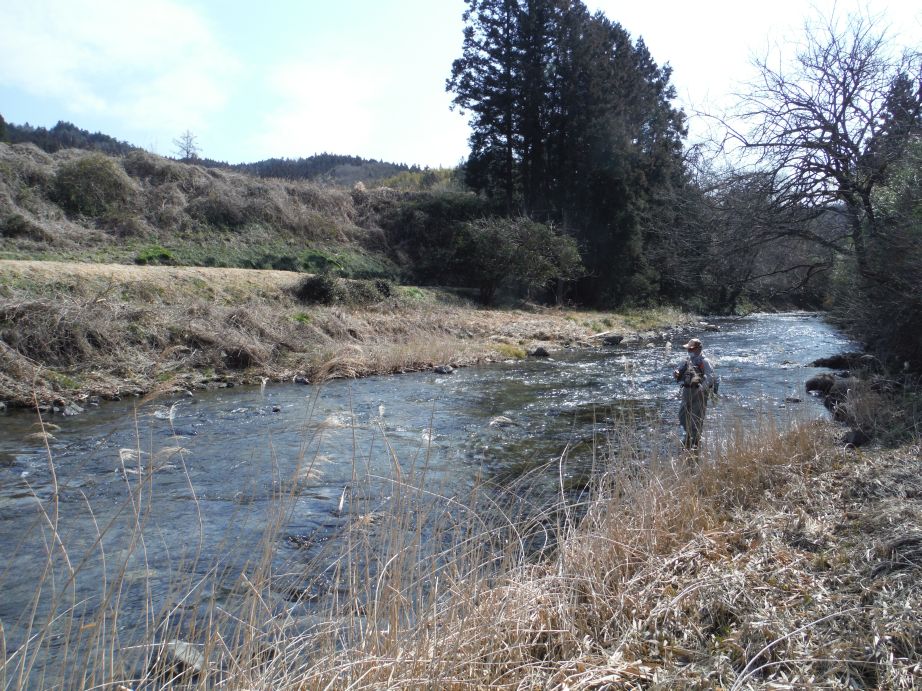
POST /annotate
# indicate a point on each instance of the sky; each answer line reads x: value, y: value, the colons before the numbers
x: 293, y: 78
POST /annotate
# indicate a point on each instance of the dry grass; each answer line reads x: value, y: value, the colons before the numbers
x: 769, y: 566
x: 71, y: 331
x: 775, y: 560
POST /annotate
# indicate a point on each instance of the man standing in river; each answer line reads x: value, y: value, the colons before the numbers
x: 696, y: 377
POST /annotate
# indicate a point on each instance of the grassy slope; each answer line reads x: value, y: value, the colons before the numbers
x: 79, y: 206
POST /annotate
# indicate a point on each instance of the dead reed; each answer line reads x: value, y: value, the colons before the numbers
x: 775, y: 559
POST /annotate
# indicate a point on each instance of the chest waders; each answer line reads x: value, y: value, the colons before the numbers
x: 694, y: 404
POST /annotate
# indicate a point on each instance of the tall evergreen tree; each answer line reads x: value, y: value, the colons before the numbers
x: 485, y: 81
x: 572, y: 123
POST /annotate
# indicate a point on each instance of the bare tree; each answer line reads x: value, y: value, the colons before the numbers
x: 829, y: 128
x: 186, y: 147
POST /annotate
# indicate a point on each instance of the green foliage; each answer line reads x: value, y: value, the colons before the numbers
x: 572, y: 122
x: 421, y: 230
x: 422, y: 180
x: 155, y: 254
x: 413, y: 293
x: 92, y: 186
x: 2, y: 129
x: 885, y: 305
x: 497, y: 252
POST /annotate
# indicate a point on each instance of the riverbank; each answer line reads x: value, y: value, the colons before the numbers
x: 77, y: 333
x: 783, y: 561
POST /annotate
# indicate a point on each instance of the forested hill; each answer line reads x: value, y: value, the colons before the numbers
x: 333, y: 168
x: 344, y: 170
x: 65, y: 135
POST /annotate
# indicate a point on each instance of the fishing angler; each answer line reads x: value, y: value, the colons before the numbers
x: 698, y: 381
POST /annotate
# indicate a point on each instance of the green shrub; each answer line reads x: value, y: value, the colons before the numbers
x: 155, y: 254
x: 329, y: 289
x: 18, y: 226
x: 324, y: 288
x: 92, y: 186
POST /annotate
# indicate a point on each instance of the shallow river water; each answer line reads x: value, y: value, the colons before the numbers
x: 187, y: 490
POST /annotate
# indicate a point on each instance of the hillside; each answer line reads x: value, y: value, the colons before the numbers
x: 141, y: 208
x: 332, y: 168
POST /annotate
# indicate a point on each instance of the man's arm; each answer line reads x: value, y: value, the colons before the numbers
x: 709, y: 376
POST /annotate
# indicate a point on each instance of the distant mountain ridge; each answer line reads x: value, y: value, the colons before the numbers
x: 334, y: 168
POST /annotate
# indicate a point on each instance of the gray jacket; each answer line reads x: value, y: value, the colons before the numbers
x: 702, y: 365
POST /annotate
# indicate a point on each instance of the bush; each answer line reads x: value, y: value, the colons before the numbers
x: 18, y: 226
x: 223, y: 210
x: 328, y: 289
x: 324, y: 288
x: 498, y: 252
x: 141, y: 164
x: 92, y: 186
x: 155, y: 254
x: 122, y: 224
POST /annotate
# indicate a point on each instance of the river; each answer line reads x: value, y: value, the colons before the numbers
x: 169, y: 504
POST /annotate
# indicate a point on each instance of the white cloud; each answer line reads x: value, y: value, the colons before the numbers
x: 321, y: 106
x: 155, y: 64
x: 370, y: 111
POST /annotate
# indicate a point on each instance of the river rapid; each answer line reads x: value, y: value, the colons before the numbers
x: 171, y: 503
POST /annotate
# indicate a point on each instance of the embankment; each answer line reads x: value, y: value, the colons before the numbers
x: 71, y: 332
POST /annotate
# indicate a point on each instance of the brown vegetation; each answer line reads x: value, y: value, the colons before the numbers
x: 80, y: 205
x: 72, y: 331
x: 781, y: 562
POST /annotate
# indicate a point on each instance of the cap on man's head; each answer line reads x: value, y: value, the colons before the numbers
x: 693, y: 344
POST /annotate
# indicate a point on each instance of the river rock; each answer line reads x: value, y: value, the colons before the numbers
x: 301, y: 379
x: 540, y: 351
x: 2, y: 406
x: 40, y: 437
x: 71, y: 409
x: 841, y: 361
x: 443, y: 369
x: 855, y: 438
x: 175, y: 659
x: 501, y: 421
x: 612, y: 339
x: 276, y: 409
x: 831, y: 386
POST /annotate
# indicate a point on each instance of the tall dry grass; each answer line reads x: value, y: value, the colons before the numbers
x: 721, y: 570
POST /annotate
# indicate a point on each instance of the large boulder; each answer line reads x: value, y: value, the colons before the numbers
x: 846, y: 361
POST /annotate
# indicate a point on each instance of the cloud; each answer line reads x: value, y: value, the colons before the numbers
x: 154, y: 64
x: 343, y: 107
x: 326, y: 106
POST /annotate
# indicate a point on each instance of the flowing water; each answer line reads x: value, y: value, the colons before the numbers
x: 187, y: 490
